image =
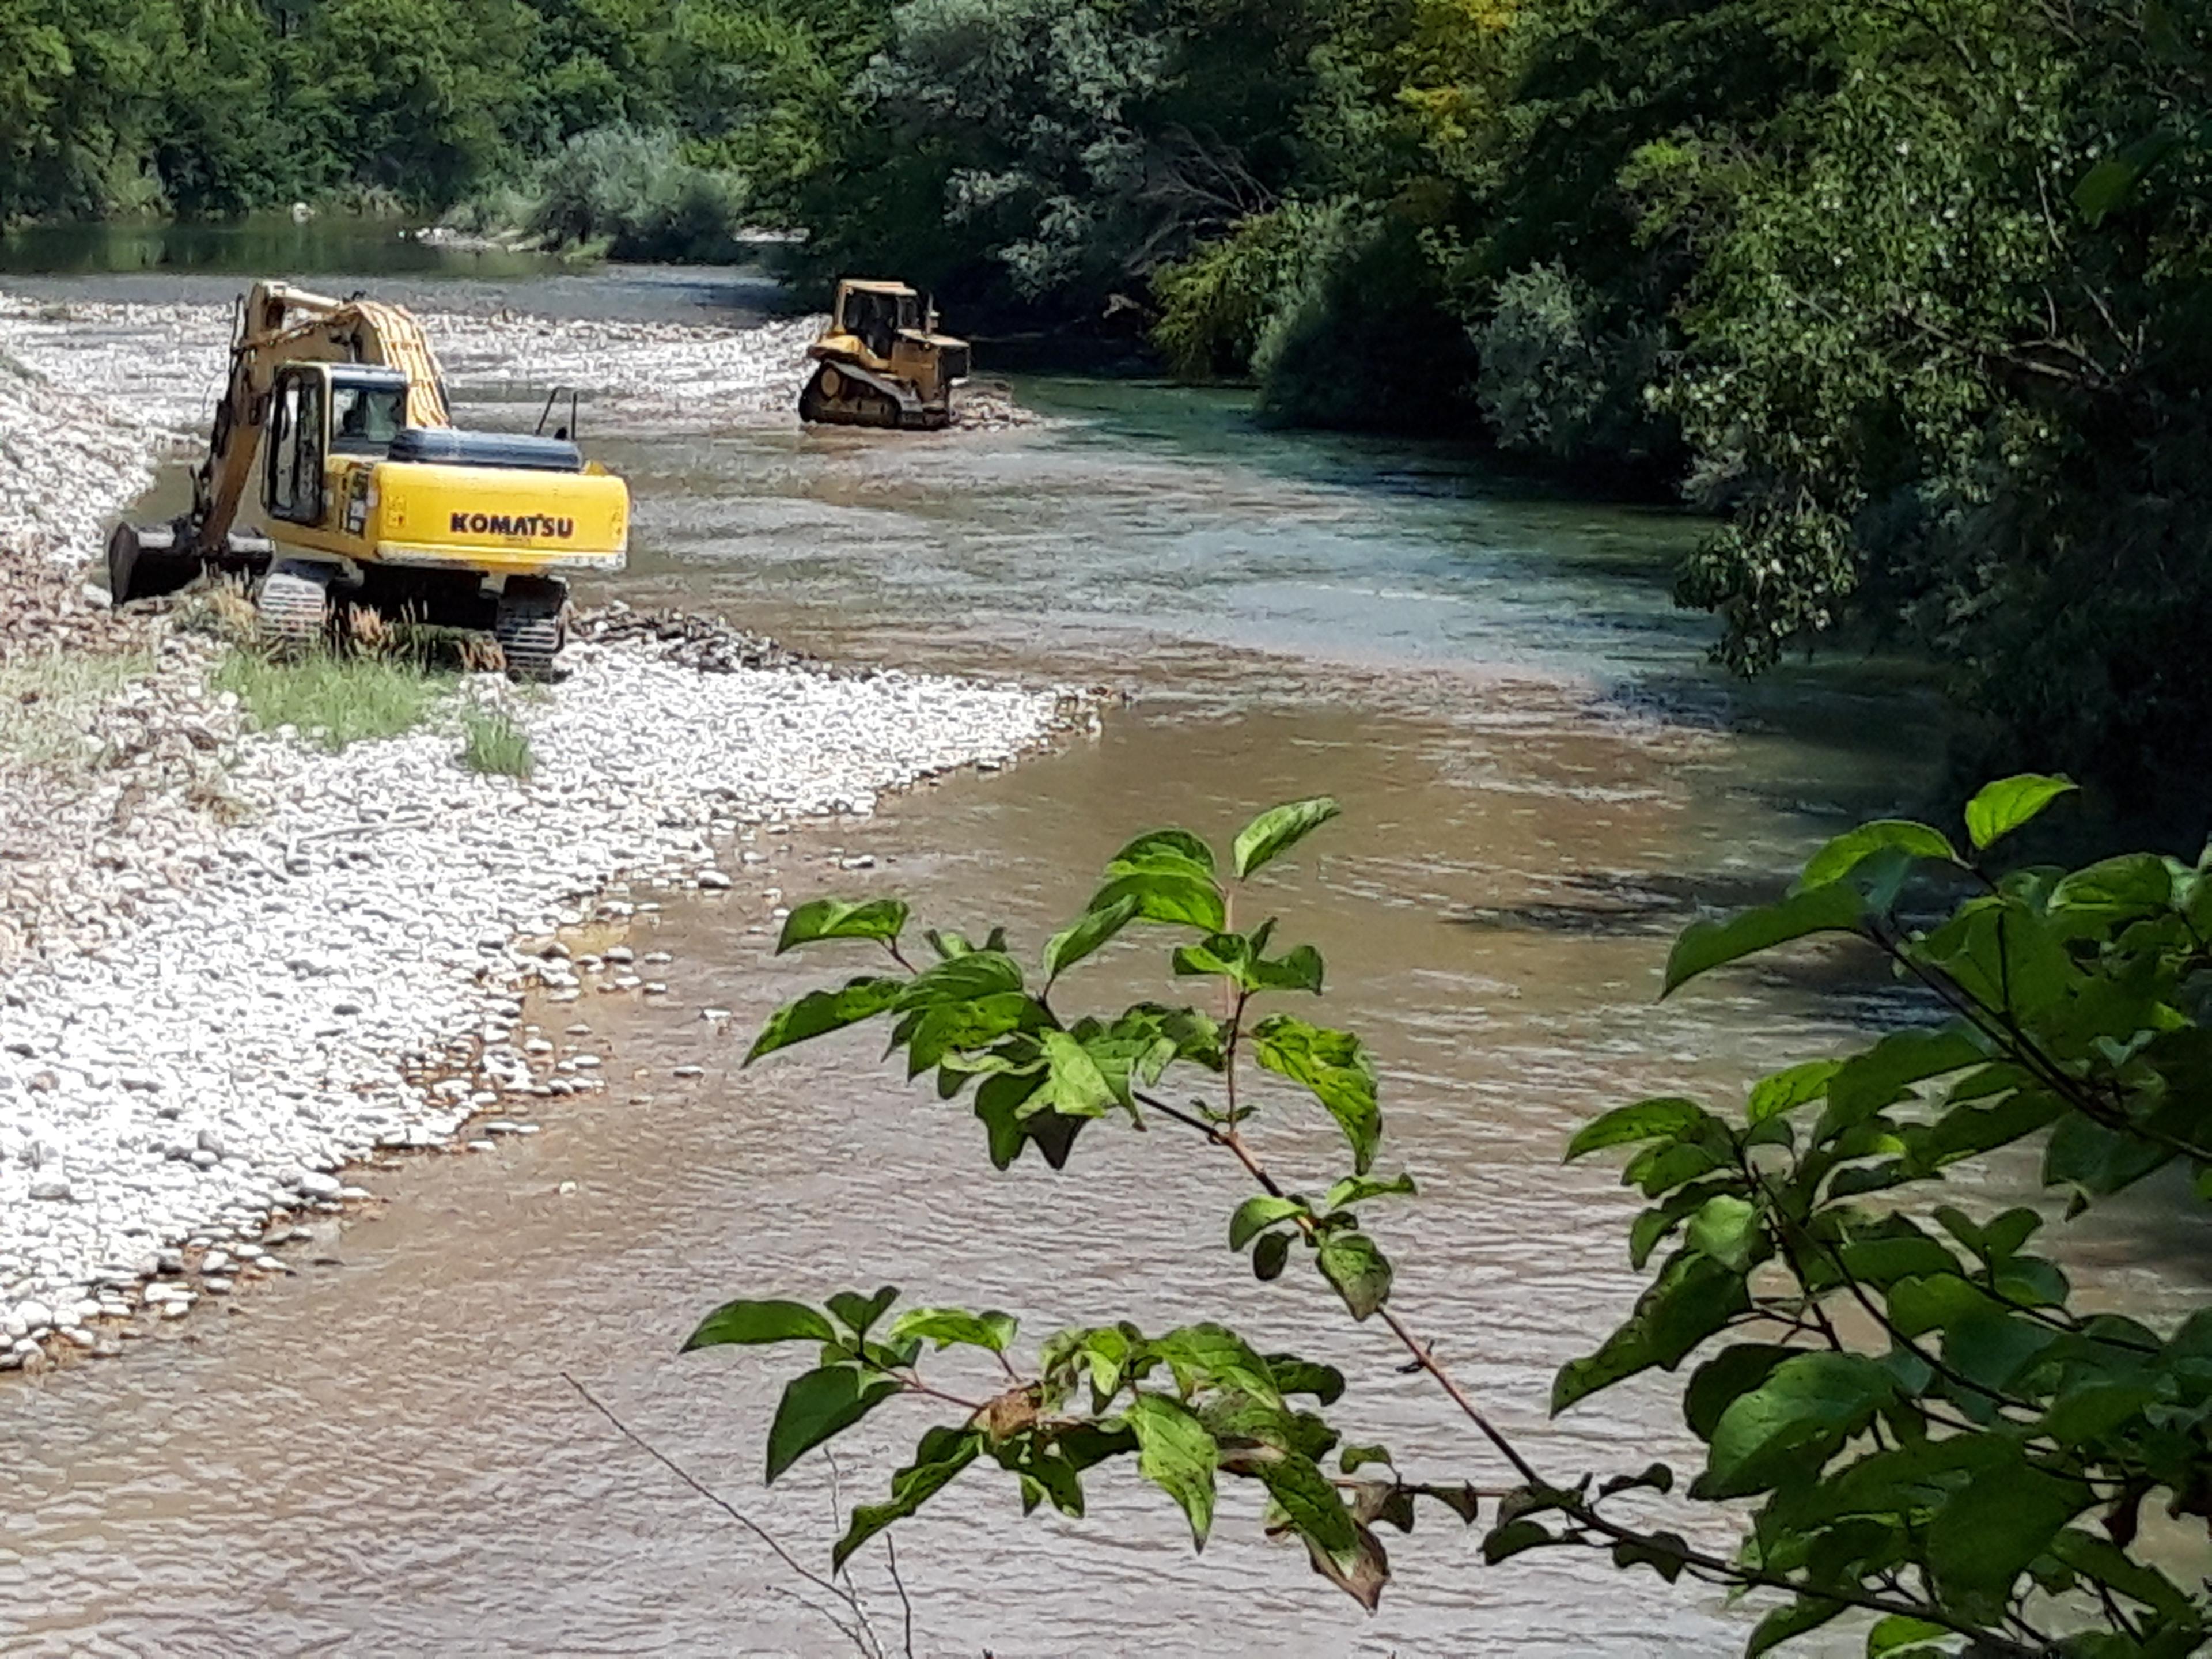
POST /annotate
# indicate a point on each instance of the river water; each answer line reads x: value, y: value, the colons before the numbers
x: 380, y: 1455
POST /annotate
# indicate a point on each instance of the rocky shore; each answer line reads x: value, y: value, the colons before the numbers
x: 232, y: 963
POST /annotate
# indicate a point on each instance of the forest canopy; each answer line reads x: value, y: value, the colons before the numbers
x: 1912, y: 297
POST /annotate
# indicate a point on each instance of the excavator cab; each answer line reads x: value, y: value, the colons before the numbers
x: 882, y: 362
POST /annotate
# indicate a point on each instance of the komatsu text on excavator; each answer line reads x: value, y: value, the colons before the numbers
x: 370, y: 496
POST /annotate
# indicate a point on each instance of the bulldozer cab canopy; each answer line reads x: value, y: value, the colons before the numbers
x: 878, y: 312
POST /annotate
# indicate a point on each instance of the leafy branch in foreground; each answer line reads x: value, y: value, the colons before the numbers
x: 1935, y: 1439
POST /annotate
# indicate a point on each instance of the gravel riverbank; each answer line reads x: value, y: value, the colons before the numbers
x: 230, y: 962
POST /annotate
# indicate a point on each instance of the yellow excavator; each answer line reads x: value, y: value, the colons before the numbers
x: 882, y: 362
x: 371, y: 497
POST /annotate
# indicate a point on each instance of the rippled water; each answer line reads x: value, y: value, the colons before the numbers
x: 381, y: 1455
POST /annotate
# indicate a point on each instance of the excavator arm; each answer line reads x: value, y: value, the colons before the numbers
x: 277, y: 324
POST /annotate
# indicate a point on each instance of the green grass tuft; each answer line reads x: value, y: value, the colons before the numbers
x: 332, y: 700
x: 492, y: 742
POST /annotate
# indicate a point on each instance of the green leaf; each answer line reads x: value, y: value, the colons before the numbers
x: 760, y: 1322
x: 1174, y: 850
x: 818, y: 1012
x: 1176, y: 1454
x: 1166, y: 896
x: 1786, y: 1090
x: 1335, y: 1067
x: 2098, y: 1160
x: 1692, y: 1298
x: 1726, y: 1378
x: 1311, y: 1505
x: 1256, y: 1214
x: 830, y: 918
x: 941, y: 1455
x: 1353, y: 1458
x: 2108, y: 185
x: 1984, y: 1537
x: 2118, y: 889
x: 1215, y: 1356
x: 1784, y: 1623
x: 1835, y: 907
x: 1357, y: 1190
x: 1270, y: 1257
x: 946, y: 1326
x: 962, y: 1028
x: 1657, y: 1223
x: 819, y: 1404
x: 968, y: 978
x: 1278, y: 830
x: 1298, y: 969
x: 1901, y: 1631
x: 999, y: 1102
x: 1503, y: 1543
x: 2001, y: 807
x: 1843, y: 854
x: 1241, y: 960
x: 1088, y: 932
x: 1727, y: 1229
x: 1663, y: 1553
x: 1296, y: 1376
x: 1793, y: 1420
x: 1666, y: 1118
x: 1078, y: 1087
x: 1358, y: 1269
x: 1867, y: 1083
x: 862, y: 1311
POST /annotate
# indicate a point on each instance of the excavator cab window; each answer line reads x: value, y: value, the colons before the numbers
x: 296, y: 437
x: 365, y: 419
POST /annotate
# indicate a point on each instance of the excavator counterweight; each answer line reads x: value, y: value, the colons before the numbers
x: 370, y: 496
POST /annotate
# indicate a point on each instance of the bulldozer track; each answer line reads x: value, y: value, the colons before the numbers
x: 294, y: 604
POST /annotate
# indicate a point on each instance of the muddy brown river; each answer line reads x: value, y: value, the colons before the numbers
x: 379, y: 1455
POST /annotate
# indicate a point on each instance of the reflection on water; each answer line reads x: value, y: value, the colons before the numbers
x: 381, y: 1457
x: 210, y: 261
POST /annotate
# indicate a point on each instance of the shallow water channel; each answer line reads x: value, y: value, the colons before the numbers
x: 381, y: 1455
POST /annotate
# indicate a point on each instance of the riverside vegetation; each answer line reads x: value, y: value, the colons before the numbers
x: 1912, y: 297
x: 1899, y: 1404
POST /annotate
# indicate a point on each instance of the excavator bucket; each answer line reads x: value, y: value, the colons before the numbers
x: 144, y: 561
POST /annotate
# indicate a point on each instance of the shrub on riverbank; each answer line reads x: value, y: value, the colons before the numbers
x: 1927, y: 1434
x: 636, y: 195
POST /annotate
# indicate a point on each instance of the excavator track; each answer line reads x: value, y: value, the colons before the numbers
x: 527, y: 626
x: 294, y: 604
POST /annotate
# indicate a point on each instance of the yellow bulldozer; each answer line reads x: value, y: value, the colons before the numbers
x: 882, y: 362
x: 371, y: 497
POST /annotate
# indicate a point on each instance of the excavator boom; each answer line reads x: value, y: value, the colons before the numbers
x: 278, y: 324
